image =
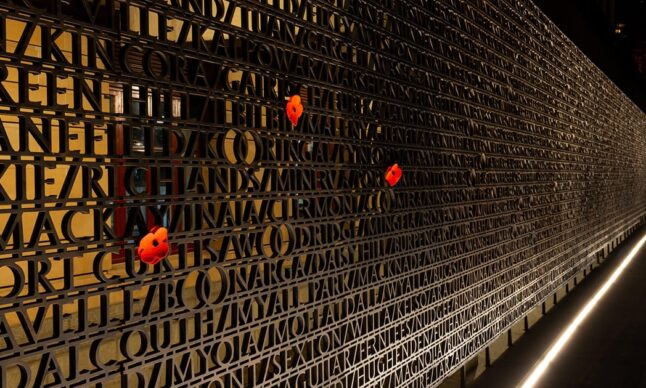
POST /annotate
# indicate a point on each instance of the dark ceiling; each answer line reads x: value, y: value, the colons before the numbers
x: 610, y: 32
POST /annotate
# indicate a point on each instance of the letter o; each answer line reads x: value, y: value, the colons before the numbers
x: 206, y: 288
x: 222, y: 353
x: 18, y: 281
x: 149, y: 62
x: 125, y: 342
x: 297, y: 326
x: 282, y: 239
x: 268, y: 58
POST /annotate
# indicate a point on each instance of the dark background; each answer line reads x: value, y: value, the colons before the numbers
x: 612, y: 33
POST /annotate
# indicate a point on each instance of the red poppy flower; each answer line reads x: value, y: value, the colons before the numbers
x: 153, y: 247
x: 294, y: 109
x: 393, y: 174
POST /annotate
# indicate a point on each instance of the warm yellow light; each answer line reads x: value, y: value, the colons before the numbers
x: 619, y: 28
x: 565, y: 336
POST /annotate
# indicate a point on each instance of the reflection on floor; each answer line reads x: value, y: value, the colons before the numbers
x: 606, y: 349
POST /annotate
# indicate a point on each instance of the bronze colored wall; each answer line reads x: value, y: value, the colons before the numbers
x: 293, y: 262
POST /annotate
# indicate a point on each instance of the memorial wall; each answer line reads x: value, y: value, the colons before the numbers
x: 292, y: 261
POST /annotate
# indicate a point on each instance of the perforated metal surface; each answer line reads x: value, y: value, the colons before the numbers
x: 293, y: 261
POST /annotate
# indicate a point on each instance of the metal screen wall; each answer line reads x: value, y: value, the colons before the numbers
x: 293, y: 262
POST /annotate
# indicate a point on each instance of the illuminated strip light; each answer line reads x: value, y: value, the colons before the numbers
x: 565, y: 336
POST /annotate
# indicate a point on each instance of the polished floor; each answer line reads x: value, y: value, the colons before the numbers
x: 607, y: 350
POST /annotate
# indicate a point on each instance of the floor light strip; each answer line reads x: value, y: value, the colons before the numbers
x: 565, y: 336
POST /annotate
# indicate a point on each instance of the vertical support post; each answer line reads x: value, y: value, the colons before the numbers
x: 463, y: 377
x: 543, y: 310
